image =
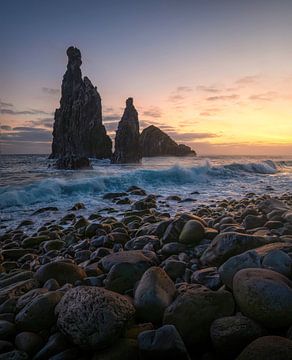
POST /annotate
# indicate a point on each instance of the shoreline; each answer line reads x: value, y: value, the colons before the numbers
x: 149, y: 273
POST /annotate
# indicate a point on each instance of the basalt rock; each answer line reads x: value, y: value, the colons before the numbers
x: 127, y: 144
x: 78, y: 130
x: 155, y: 142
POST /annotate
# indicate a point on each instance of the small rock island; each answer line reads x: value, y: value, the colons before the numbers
x: 78, y: 130
x: 79, y: 133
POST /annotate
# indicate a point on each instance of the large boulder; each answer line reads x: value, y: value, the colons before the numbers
x: 78, y: 130
x: 194, y: 310
x: 127, y: 141
x: 192, y: 233
x: 264, y: 296
x: 273, y: 256
x: 93, y: 317
x: 133, y: 257
x: 268, y: 348
x: 231, y: 334
x: 61, y: 271
x: 228, y: 244
x: 163, y: 343
x: 39, y: 314
x: 153, y: 295
x: 155, y: 142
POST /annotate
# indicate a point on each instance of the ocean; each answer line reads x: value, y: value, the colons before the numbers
x: 27, y: 183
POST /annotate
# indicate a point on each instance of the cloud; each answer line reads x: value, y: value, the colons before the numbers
x: 267, y: 96
x: 184, y: 89
x: 191, y: 136
x: 247, y: 80
x: 153, y: 112
x: 6, y: 127
x: 5, y: 104
x: 24, y: 112
x: 176, y: 98
x: 223, y: 97
x: 22, y: 133
x: 110, y: 118
x: 46, y: 122
x: 210, y: 89
x: 50, y: 91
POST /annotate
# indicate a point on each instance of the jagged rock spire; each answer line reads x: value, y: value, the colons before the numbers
x: 127, y: 142
x: 78, y: 129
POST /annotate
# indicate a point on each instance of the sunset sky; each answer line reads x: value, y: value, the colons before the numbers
x: 213, y: 74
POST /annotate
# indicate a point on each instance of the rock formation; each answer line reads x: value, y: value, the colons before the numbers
x: 127, y: 142
x: 155, y: 142
x: 78, y: 130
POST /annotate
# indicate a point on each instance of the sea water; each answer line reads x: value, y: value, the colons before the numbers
x: 27, y: 183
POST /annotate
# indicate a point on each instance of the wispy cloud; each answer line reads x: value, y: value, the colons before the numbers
x: 223, y: 97
x: 46, y: 122
x: 5, y: 104
x: 247, y: 80
x: 6, y: 127
x: 24, y: 112
x: 210, y: 89
x: 22, y: 133
x: 267, y: 96
x: 50, y: 91
x: 153, y: 112
x: 189, y: 136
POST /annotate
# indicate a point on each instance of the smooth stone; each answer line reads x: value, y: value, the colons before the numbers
x: 7, y: 329
x: 62, y: 272
x: 123, y: 276
x: 123, y: 349
x: 56, y: 343
x: 93, y: 317
x: 173, y: 248
x: 194, y: 310
x: 131, y: 257
x: 163, y: 343
x: 192, y: 233
x: 279, y: 261
x: 268, y: 348
x: 175, y: 268
x: 5, y: 346
x: 153, y: 295
x: 28, y: 342
x: 248, y: 259
x: 228, y: 244
x: 231, y: 334
x: 14, y: 355
x: 39, y: 314
x: 208, y: 277
x: 53, y: 245
x: 34, y: 241
x: 12, y: 279
x: 18, y: 289
x: 264, y: 296
x: 29, y: 297
x: 139, y: 242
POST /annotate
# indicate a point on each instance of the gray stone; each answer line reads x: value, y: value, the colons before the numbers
x: 264, y: 296
x: 153, y: 295
x: 93, y: 317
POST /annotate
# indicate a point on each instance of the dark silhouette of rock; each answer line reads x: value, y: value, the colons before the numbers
x: 127, y: 142
x: 155, y: 142
x: 78, y: 130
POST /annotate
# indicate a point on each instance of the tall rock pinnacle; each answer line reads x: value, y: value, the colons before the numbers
x: 127, y: 142
x: 78, y: 129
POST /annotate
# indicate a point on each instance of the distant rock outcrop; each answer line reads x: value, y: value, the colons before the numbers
x: 127, y: 144
x: 78, y: 130
x: 155, y: 142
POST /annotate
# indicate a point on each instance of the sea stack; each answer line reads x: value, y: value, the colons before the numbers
x: 155, y: 142
x: 127, y: 141
x: 78, y: 130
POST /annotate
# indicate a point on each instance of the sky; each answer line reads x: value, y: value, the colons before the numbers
x: 213, y: 74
